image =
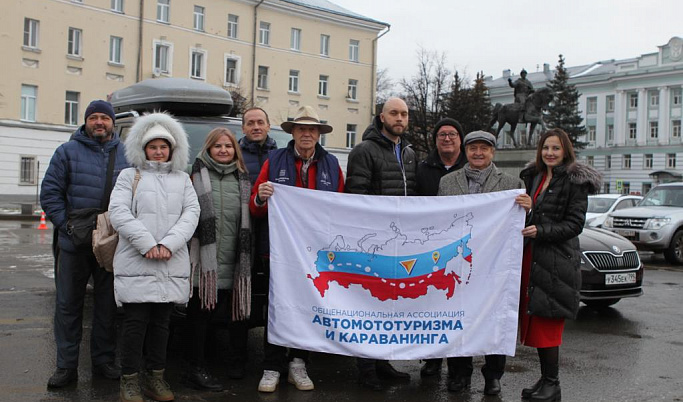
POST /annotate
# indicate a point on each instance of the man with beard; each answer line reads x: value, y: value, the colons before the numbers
x: 382, y: 164
x: 75, y: 180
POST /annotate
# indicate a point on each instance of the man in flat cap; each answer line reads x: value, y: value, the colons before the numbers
x: 304, y: 163
x: 81, y: 175
x: 479, y: 175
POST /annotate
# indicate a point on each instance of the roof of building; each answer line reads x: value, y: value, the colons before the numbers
x: 646, y: 63
x: 328, y: 6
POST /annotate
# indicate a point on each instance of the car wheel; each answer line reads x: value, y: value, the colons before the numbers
x: 598, y: 304
x: 674, y: 254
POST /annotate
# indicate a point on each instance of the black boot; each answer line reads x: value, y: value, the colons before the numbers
x: 199, y: 378
x: 526, y: 392
x: 549, y: 391
x: 370, y: 381
x: 386, y: 371
x: 431, y: 367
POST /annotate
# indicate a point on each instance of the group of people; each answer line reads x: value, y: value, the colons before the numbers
x: 160, y: 201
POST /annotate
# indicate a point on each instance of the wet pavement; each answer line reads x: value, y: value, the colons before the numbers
x: 631, y: 352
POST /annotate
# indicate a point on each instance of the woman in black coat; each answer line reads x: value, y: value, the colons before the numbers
x: 558, y: 187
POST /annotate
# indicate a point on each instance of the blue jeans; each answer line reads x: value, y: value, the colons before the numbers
x: 72, y: 272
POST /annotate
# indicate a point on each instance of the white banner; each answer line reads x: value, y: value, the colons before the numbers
x: 395, y: 278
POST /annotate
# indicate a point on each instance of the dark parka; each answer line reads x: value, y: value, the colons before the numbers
x: 75, y: 178
x: 373, y: 169
x: 559, y: 215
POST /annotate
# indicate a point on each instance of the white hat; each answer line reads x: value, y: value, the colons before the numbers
x: 158, y: 132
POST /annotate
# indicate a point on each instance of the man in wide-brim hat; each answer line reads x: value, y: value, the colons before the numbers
x: 304, y: 163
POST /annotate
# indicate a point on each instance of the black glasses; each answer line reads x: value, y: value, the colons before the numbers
x: 449, y: 135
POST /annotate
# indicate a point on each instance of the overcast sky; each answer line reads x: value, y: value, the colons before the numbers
x: 493, y: 35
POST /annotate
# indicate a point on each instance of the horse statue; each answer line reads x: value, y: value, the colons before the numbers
x: 531, y: 112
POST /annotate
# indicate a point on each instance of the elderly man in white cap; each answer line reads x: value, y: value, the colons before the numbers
x: 304, y: 163
x: 479, y: 175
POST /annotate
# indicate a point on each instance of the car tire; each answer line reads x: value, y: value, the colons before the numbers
x: 599, y: 304
x: 674, y: 254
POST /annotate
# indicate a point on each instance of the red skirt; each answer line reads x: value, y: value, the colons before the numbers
x: 534, y: 331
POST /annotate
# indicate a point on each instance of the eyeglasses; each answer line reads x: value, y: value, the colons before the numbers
x: 449, y: 135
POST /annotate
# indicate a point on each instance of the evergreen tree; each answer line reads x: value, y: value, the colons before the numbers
x: 564, y: 110
x: 469, y: 105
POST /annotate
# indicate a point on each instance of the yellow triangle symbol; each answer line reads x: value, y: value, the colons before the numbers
x: 408, y: 265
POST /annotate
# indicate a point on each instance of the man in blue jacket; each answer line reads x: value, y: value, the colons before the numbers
x: 76, y: 180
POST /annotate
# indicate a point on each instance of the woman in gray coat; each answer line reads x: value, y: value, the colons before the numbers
x: 154, y: 209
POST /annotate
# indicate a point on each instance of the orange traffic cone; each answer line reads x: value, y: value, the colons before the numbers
x: 43, y: 224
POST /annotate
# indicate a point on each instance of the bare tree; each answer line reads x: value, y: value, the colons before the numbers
x: 425, y: 93
x: 385, y: 86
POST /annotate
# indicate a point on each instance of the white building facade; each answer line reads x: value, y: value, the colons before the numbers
x: 632, y: 111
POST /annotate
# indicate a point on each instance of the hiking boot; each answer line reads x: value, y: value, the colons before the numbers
x: 298, y: 375
x: 269, y: 381
x: 154, y: 386
x: 130, y: 388
x: 62, y: 377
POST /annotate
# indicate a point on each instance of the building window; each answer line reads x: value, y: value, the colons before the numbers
x: 293, y: 81
x: 71, y: 108
x: 590, y: 160
x: 353, y: 50
x: 28, y: 102
x: 322, y: 85
x: 676, y: 97
x: 626, y: 187
x: 117, y: 5
x: 610, y: 103
x: 197, y: 64
x: 262, y: 77
x: 592, y: 105
x: 295, y: 39
x: 115, y: 45
x: 654, y: 129
x: 633, y: 101
x: 675, y: 128
x: 610, y: 133
x: 199, y: 18
x: 163, y: 10
x: 27, y: 170
x: 608, y: 161
x: 74, y: 42
x: 627, y: 161
x: 163, y: 56
x: 352, y: 92
x: 232, y: 69
x: 264, y: 33
x: 647, y: 161
x: 671, y: 161
x: 325, y: 45
x: 31, y: 28
x: 591, y: 134
x: 350, y: 135
x: 654, y: 99
x: 632, y: 131
x: 646, y: 188
x: 233, y: 21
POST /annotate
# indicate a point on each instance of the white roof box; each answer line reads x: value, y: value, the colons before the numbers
x: 178, y: 96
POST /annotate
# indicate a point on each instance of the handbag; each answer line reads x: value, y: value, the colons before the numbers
x: 105, y: 238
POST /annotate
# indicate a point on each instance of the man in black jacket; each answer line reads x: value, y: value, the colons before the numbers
x: 448, y: 156
x: 383, y: 164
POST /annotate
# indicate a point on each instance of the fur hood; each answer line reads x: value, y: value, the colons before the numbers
x: 578, y: 173
x: 135, y: 152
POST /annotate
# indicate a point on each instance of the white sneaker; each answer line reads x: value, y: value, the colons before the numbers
x: 298, y: 375
x: 269, y: 381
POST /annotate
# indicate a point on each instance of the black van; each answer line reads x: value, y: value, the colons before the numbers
x: 199, y: 107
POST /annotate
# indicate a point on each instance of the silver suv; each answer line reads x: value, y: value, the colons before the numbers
x: 656, y: 223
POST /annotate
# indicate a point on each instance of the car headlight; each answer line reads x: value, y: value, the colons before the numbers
x: 608, y: 222
x: 657, y: 223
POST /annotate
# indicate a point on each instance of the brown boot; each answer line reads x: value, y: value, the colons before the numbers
x: 130, y: 388
x: 154, y: 386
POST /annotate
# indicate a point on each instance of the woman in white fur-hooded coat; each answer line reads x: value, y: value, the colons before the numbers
x: 163, y: 213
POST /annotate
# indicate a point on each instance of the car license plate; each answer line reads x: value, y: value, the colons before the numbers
x: 620, y: 279
x: 627, y: 233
